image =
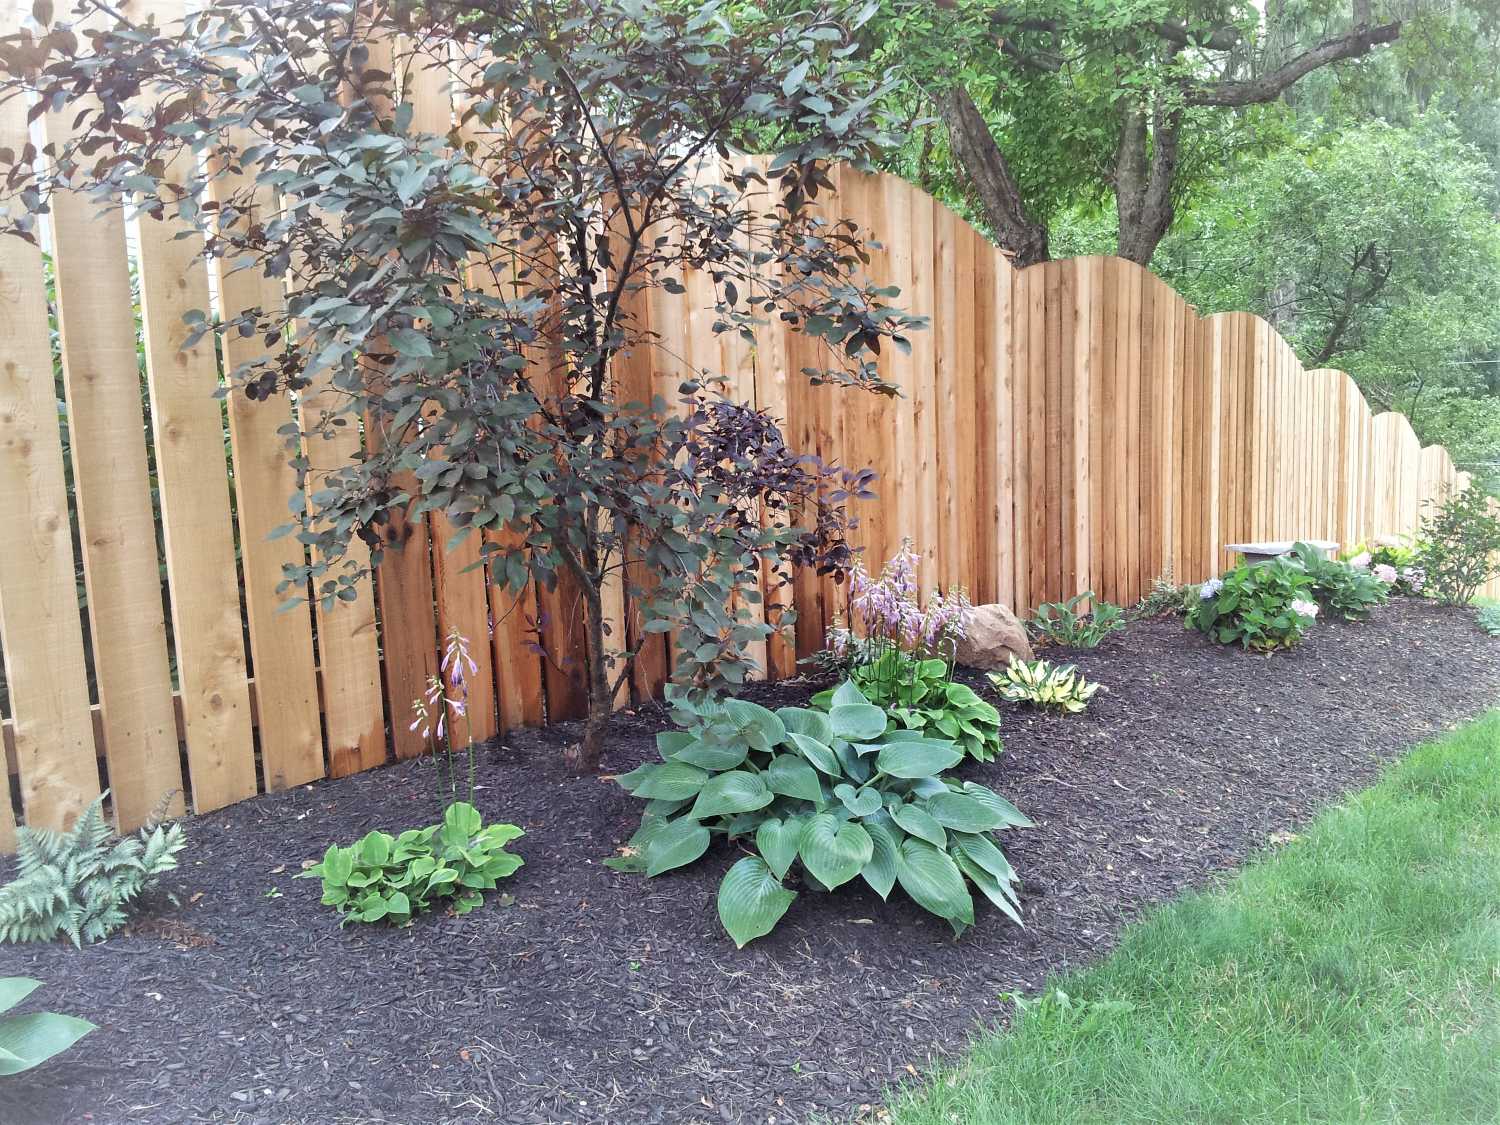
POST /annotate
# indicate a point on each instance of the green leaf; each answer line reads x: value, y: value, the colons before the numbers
x: 988, y: 885
x: 880, y: 872
x: 861, y: 802
x: 374, y: 849
x: 751, y: 900
x: 675, y: 844
x: 732, y: 792
x: 918, y: 759
x: 711, y: 754
x: 982, y: 850
x: 30, y: 1040
x: 963, y: 813
x: 848, y: 695
x: 790, y: 776
x: 801, y: 720
x: 934, y: 883
x: 858, y: 722
x: 832, y: 852
x: 817, y: 753
x: 667, y: 781
x: 1014, y: 817
x: 462, y: 818
x: 777, y: 841
x: 337, y: 865
x: 762, y: 726
x: 15, y: 989
x: 668, y: 742
x: 920, y: 823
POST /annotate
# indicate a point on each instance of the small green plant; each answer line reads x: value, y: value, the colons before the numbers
x: 1061, y: 623
x: 1064, y: 1015
x: 1165, y: 597
x: 1459, y: 547
x: 80, y: 882
x: 922, y: 696
x: 1489, y: 620
x: 1261, y: 607
x: 1045, y: 684
x: 835, y: 795
x: 1343, y: 588
x: 386, y: 878
x: 31, y: 1039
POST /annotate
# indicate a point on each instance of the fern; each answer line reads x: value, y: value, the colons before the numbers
x: 79, y: 882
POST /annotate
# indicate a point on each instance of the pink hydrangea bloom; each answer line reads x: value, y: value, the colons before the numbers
x: 1385, y: 573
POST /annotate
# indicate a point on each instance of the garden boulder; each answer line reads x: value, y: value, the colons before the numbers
x: 994, y: 636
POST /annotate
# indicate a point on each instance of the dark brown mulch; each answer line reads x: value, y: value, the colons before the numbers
x: 603, y: 997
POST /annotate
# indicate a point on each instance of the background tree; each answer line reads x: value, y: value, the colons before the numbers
x: 466, y: 297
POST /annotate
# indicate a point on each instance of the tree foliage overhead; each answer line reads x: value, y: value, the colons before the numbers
x: 464, y: 295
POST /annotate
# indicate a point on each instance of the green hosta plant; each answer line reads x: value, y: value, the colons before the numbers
x: 824, y: 796
x: 922, y: 696
x: 1341, y: 587
x: 1489, y: 620
x: 31, y: 1039
x: 1045, y: 684
x: 385, y: 878
x: 1261, y: 607
x: 1061, y: 623
x: 80, y: 882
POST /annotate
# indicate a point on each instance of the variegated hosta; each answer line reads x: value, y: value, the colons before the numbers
x: 1045, y: 684
x: 839, y: 795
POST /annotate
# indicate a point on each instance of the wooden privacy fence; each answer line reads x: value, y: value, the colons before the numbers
x: 1073, y: 426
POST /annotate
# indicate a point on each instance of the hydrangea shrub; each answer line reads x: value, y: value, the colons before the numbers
x: 1262, y: 607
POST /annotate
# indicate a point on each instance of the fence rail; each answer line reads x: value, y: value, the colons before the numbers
x: 1073, y: 426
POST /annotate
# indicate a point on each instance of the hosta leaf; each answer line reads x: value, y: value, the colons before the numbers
x: 982, y: 850
x: 818, y: 753
x: 935, y: 883
x: 832, y: 852
x: 29, y: 1040
x: 802, y: 720
x: 997, y: 892
x: 732, y: 792
x: 761, y: 726
x: 847, y: 695
x: 857, y: 769
x: 1014, y: 817
x: 919, y: 823
x: 751, y: 900
x: 777, y: 841
x: 880, y: 872
x: 963, y: 813
x: 713, y: 755
x: 918, y: 759
x: 668, y: 742
x: 790, y: 776
x: 860, y: 802
x: 857, y: 722
x: 669, y: 781
x: 675, y: 844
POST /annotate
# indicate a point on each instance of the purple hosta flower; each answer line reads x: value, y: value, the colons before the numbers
x: 456, y: 658
x: 1386, y: 573
x: 1360, y: 561
x: 1211, y: 588
x: 946, y: 619
x: 420, y: 716
x: 1304, y: 608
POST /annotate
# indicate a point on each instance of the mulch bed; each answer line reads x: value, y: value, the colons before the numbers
x: 596, y: 996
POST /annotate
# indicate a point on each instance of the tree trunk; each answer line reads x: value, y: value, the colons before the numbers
x: 1145, y: 168
x: 1022, y: 238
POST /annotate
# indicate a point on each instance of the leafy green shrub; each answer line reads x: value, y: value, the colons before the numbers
x: 1045, y: 684
x: 1393, y: 562
x: 922, y: 696
x: 1164, y: 597
x: 837, y: 794
x: 386, y: 878
x: 31, y: 1039
x: 1459, y: 547
x: 1489, y: 620
x: 1259, y: 607
x: 1341, y: 587
x: 1061, y: 623
x: 79, y: 882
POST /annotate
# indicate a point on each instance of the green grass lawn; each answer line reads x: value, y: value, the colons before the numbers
x: 1353, y: 976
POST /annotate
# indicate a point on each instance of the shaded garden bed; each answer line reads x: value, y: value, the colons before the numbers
x: 597, y: 996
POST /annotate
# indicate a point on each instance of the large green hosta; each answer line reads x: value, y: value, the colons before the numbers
x: 844, y: 794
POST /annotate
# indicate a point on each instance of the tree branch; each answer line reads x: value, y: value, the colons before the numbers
x: 1020, y: 236
x: 1359, y: 42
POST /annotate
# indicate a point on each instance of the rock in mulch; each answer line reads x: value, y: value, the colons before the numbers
x: 599, y: 997
x: 994, y: 635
